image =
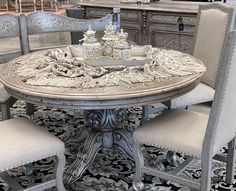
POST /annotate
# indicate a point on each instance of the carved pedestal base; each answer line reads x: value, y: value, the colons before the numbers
x: 105, y: 132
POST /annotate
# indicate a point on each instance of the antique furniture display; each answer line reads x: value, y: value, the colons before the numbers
x: 23, y: 142
x: 195, y: 134
x: 164, y: 24
x: 40, y: 22
x: 207, y: 49
x: 81, y: 77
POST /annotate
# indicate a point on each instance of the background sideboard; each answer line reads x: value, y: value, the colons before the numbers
x: 155, y: 27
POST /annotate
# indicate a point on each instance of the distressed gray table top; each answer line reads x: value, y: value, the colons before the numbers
x: 48, y: 78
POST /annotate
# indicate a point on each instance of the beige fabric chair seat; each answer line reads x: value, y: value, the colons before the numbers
x: 22, y: 142
x: 201, y: 94
x: 192, y: 133
x: 187, y: 127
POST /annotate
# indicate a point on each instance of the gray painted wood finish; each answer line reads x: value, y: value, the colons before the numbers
x: 104, y: 106
x: 220, y: 130
x: 208, y: 78
x: 9, y: 27
x: 44, y: 22
x: 155, y: 23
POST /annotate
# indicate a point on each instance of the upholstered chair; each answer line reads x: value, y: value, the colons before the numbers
x: 213, y: 25
x: 9, y: 28
x: 195, y: 134
x: 23, y: 142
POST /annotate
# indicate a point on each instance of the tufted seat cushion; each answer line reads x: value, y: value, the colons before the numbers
x: 201, y: 94
x: 177, y: 130
x: 22, y: 142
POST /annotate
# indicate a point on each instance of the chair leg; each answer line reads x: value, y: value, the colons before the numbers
x: 145, y: 113
x: 206, y: 173
x: 42, y: 5
x: 5, y: 109
x: 230, y: 165
x: 56, y: 5
x: 16, y: 6
x: 35, y: 6
x: 139, y: 163
x: 29, y: 109
x: 59, y: 172
x: 20, y: 5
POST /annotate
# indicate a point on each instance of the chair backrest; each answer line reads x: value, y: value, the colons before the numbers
x: 75, y: 12
x: 221, y: 127
x: 44, y: 22
x: 9, y: 27
x: 214, y: 22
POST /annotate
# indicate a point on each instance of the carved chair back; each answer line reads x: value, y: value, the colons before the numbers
x: 213, y: 25
x: 222, y: 124
x: 43, y: 22
x: 9, y: 27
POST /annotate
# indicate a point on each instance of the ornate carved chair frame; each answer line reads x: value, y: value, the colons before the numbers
x: 44, y: 22
x: 9, y: 27
x: 220, y: 131
x: 204, y: 92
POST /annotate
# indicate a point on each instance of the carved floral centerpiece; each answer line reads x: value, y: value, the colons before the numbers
x: 92, y: 65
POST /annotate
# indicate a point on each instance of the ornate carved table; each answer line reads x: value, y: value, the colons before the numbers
x: 103, y: 87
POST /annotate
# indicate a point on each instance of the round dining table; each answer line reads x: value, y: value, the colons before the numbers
x: 103, y: 87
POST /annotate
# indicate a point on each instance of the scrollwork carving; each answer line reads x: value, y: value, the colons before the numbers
x: 105, y: 120
x: 49, y: 22
x: 51, y: 69
x: 9, y: 26
x: 39, y: 22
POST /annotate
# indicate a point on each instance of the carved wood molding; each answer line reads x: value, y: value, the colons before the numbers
x: 172, y: 40
x: 9, y: 26
x: 190, y: 20
x: 40, y: 22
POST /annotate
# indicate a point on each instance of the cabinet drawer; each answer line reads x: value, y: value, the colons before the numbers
x: 97, y: 12
x: 171, y: 19
x: 172, y: 28
x: 171, y: 40
x: 129, y: 15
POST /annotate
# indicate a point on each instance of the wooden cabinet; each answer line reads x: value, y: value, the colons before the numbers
x: 130, y: 21
x: 163, y: 30
x: 158, y: 28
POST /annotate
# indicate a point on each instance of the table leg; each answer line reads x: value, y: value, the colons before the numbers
x: 85, y: 157
x: 124, y: 140
x: 105, y: 130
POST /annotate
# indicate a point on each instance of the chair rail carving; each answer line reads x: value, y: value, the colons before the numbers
x: 40, y: 22
x: 9, y: 26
